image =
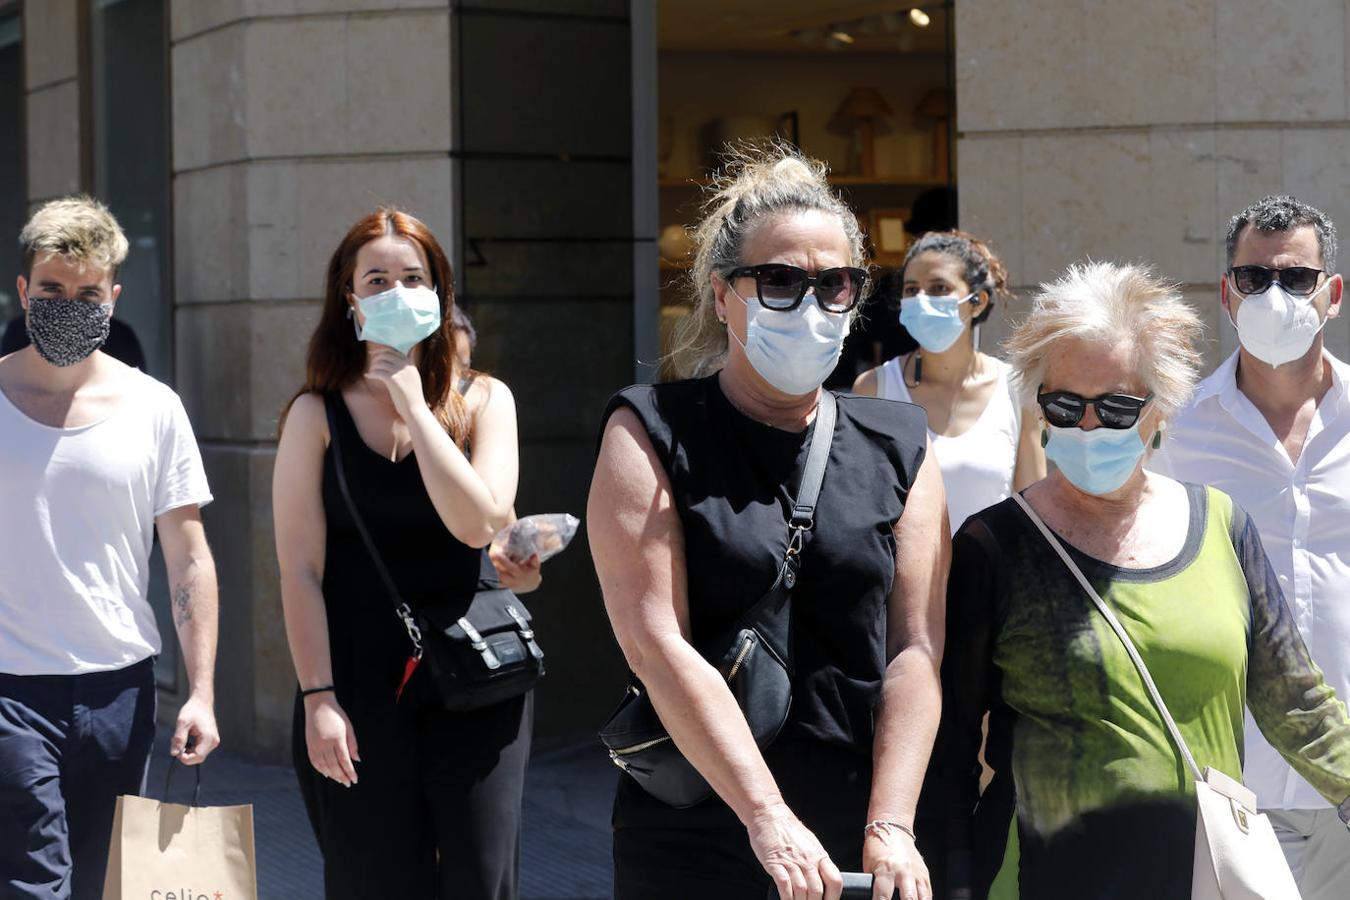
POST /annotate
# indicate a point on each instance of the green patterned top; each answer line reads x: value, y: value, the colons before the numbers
x: 1105, y: 805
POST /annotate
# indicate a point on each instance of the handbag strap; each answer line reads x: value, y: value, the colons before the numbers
x: 813, y: 476
x: 803, y: 515
x: 1119, y: 629
x: 339, y: 468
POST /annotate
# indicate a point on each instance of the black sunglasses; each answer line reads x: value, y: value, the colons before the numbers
x: 1065, y: 409
x: 1301, y: 280
x: 781, y: 287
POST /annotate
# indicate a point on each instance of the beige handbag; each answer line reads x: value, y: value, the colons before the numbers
x: 1237, y: 856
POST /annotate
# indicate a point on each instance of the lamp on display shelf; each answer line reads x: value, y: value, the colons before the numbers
x: 937, y: 106
x: 862, y: 116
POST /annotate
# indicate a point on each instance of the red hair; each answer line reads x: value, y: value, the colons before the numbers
x: 337, y: 359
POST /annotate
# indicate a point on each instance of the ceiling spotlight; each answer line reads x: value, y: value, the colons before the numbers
x: 842, y: 37
x: 919, y: 17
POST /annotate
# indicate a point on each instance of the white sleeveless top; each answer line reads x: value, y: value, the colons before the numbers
x: 976, y: 465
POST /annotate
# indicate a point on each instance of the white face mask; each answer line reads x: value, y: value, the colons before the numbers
x: 1275, y: 327
x: 794, y: 351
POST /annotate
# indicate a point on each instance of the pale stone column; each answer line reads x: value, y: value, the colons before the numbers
x: 51, y: 55
x: 291, y: 119
x: 1133, y: 131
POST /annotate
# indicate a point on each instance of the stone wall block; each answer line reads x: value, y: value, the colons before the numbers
x: 51, y: 39
x: 274, y: 233
x: 398, y: 83
x: 278, y: 341
x: 1140, y: 71
x: 1084, y: 196
x: 1271, y: 67
x: 1316, y: 170
x: 991, y: 196
x: 1074, y: 64
x: 296, y: 85
x: 1249, y: 165
x: 1182, y: 178
x: 211, y: 248
x: 1002, y: 82
x: 213, y: 343
x: 210, y: 105
x: 418, y: 186
x: 53, y: 141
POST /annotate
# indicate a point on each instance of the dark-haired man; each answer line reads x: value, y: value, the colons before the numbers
x: 1271, y: 427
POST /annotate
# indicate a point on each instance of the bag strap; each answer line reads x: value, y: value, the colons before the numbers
x: 813, y: 476
x: 803, y: 515
x: 168, y: 781
x: 1119, y: 629
x: 339, y: 467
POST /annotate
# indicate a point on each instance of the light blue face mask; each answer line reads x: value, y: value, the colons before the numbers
x: 935, y: 322
x: 401, y: 317
x: 1098, y: 461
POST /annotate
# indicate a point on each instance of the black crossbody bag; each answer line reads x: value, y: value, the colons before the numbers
x: 754, y: 656
x: 487, y: 655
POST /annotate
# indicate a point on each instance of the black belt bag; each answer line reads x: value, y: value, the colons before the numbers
x: 482, y: 656
x: 754, y: 656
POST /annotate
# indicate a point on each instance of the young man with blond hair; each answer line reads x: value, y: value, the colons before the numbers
x: 95, y: 456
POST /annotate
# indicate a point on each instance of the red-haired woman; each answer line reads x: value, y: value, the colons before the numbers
x: 406, y: 799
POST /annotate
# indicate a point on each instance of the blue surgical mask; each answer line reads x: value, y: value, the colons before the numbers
x: 935, y: 322
x: 1098, y: 461
x: 795, y: 351
x: 401, y: 317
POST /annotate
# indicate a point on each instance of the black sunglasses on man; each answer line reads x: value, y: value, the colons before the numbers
x: 1298, y: 280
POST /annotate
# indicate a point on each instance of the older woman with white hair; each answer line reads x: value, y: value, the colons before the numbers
x: 700, y: 511
x: 1105, y: 804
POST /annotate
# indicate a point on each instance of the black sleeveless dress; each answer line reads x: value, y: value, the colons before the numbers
x: 734, y: 480
x: 429, y: 781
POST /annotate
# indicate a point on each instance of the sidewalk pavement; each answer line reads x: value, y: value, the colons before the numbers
x: 565, y: 841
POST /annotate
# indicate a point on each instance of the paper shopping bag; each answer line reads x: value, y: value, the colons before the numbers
x: 166, y: 851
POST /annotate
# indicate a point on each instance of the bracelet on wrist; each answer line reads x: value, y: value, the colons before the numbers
x: 316, y: 690
x: 882, y: 828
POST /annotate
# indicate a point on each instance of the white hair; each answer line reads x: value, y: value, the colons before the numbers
x: 1109, y: 303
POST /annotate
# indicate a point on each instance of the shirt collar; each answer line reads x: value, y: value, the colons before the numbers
x: 1222, y: 383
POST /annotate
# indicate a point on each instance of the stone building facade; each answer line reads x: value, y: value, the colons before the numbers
x: 522, y: 132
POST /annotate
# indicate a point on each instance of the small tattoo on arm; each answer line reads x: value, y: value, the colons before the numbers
x: 182, y: 611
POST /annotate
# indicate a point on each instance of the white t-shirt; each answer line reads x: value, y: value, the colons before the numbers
x: 977, y: 465
x: 77, y: 516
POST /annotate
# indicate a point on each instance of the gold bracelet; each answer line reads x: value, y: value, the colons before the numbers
x: 881, y: 828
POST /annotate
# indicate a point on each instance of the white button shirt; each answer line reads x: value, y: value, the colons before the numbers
x: 1303, y: 515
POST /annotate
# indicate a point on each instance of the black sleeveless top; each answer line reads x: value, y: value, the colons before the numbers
x: 734, y: 481
x: 430, y: 566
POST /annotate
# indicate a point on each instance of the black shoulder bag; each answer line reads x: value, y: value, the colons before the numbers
x: 754, y: 656
x: 482, y: 657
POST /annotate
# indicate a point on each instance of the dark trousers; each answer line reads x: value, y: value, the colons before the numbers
x: 435, y: 812
x: 69, y: 745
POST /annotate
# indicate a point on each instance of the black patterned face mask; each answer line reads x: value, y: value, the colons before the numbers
x: 65, y: 331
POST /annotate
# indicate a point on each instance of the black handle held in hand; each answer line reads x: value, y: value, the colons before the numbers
x: 168, y: 781
x: 857, y: 886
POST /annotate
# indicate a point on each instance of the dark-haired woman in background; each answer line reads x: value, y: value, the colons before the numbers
x: 406, y: 799
x: 984, y: 445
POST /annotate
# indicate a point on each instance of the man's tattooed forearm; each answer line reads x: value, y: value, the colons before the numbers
x: 182, y: 609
